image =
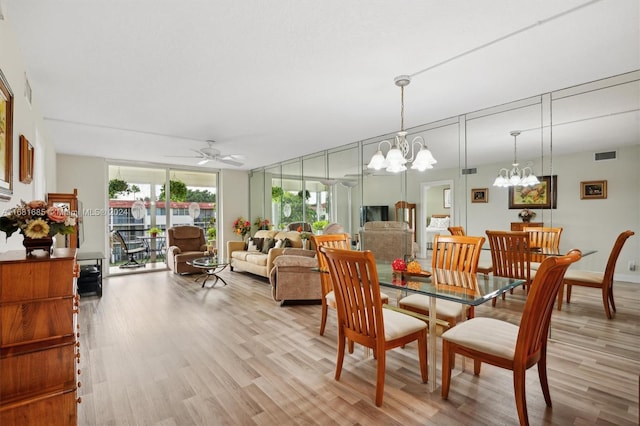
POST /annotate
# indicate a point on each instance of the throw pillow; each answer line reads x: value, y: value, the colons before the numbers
x: 268, y: 244
x: 287, y: 243
x: 251, y: 246
x: 258, y: 242
x: 278, y: 244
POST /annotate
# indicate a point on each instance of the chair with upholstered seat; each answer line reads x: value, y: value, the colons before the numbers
x: 483, y: 266
x: 542, y: 238
x: 130, y: 249
x: 509, y: 346
x: 602, y: 280
x: 341, y: 241
x: 510, y: 256
x: 361, y: 317
x: 185, y: 243
x: 452, y: 252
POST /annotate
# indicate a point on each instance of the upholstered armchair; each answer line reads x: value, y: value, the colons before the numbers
x: 293, y: 276
x: 185, y: 243
x: 388, y: 240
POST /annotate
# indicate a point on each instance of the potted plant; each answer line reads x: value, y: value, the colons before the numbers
x: 319, y: 225
x: 211, y: 234
x: 154, y: 231
x: 304, y: 236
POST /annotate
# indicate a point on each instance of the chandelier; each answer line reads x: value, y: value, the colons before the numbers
x: 516, y: 176
x: 398, y: 154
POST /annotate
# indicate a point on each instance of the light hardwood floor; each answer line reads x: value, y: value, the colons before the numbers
x: 157, y: 349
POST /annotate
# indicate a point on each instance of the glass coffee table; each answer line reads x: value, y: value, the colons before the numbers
x: 211, y: 267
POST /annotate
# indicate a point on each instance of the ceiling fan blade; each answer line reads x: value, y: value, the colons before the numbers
x: 203, y: 161
x: 229, y: 161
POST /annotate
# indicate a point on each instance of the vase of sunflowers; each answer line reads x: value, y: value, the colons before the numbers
x: 38, y: 222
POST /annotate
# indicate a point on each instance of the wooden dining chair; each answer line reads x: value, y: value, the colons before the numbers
x: 602, y: 280
x: 483, y: 267
x: 543, y: 238
x: 505, y: 345
x: 341, y: 241
x: 453, y: 252
x: 510, y: 256
x: 361, y: 318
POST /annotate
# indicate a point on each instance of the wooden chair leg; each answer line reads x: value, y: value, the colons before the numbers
x: 569, y: 293
x: 340, y: 355
x: 542, y: 374
x: 476, y: 367
x: 521, y: 398
x: 447, y: 356
x: 381, y: 358
x: 422, y: 357
x: 605, y: 302
x: 323, y: 318
x: 610, y: 292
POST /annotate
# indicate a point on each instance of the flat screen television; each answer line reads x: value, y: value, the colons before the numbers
x: 372, y: 213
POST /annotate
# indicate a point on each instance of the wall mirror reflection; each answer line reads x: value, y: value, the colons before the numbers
x: 583, y: 133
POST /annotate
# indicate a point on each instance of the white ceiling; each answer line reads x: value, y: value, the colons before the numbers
x: 151, y: 79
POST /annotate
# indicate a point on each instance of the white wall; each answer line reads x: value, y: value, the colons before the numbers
x: 89, y: 176
x: 234, y: 202
x: 27, y: 121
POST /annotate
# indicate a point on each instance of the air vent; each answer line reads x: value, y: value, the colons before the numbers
x: 472, y: 171
x: 609, y: 155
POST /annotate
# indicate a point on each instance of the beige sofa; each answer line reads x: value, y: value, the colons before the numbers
x: 388, y: 240
x: 257, y: 262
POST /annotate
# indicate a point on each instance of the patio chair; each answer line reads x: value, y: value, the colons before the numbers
x: 131, y: 249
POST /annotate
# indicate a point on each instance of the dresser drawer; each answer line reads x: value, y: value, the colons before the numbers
x: 59, y: 408
x: 38, y: 368
x: 36, y: 280
x: 36, y: 321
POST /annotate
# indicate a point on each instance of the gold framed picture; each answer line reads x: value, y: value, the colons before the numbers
x: 480, y: 195
x: 6, y: 139
x: 26, y: 160
x: 593, y: 190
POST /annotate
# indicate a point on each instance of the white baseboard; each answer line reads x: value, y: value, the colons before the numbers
x: 630, y: 278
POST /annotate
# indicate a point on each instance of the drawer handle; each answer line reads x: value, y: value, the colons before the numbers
x: 79, y: 371
x: 79, y: 400
x: 79, y: 384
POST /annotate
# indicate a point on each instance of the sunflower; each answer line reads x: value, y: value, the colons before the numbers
x: 37, y: 228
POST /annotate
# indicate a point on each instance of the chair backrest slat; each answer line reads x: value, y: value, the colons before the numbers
x: 458, y: 253
x: 340, y: 241
x: 510, y: 254
x: 457, y: 230
x: 357, y: 291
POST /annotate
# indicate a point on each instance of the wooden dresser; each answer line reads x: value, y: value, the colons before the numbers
x: 39, y: 350
x: 517, y: 226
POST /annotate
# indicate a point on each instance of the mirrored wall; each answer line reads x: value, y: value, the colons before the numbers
x: 587, y: 133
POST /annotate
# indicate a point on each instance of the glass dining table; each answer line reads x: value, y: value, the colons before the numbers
x: 461, y: 287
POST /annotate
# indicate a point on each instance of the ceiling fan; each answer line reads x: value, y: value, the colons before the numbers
x: 210, y: 153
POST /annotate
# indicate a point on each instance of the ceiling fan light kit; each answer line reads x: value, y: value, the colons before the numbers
x: 398, y: 155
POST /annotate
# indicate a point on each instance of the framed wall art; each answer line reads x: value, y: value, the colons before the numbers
x: 480, y: 195
x: 593, y: 190
x: 26, y: 160
x: 6, y: 139
x: 541, y: 196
